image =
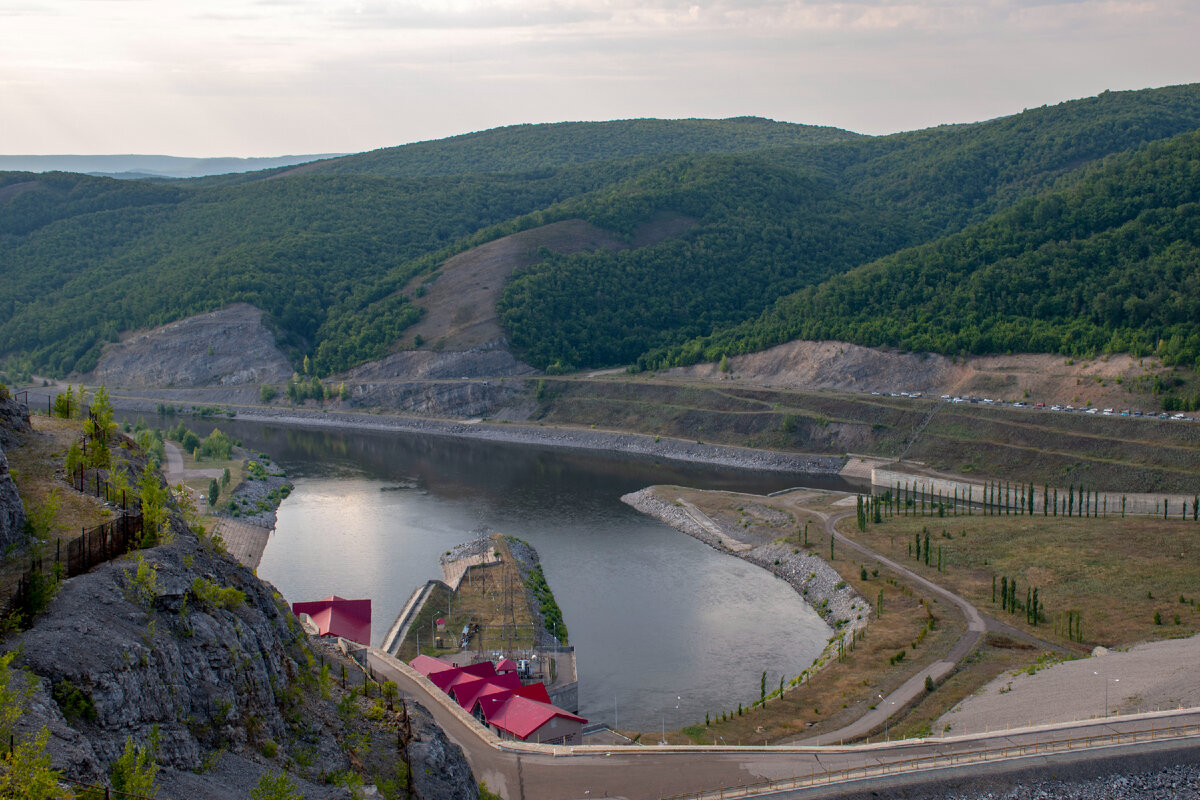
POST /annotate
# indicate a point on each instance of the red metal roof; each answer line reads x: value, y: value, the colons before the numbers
x: 427, y: 665
x: 468, y: 692
x: 446, y: 678
x: 506, y: 665
x: 336, y: 616
x: 521, y: 716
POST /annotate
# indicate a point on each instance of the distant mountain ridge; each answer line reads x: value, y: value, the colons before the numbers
x: 134, y: 167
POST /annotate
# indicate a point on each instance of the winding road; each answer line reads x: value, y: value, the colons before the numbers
x: 915, y: 685
x: 812, y: 768
x: 521, y: 771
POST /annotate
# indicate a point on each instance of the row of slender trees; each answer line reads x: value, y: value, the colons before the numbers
x: 1003, y: 498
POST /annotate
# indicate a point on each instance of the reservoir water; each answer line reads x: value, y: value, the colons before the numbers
x: 665, y: 628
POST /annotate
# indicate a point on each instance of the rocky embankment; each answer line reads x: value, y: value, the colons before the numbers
x: 228, y: 347
x: 572, y: 438
x: 1170, y: 775
x: 842, y: 608
x: 527, y: 561
x: 257, y: 498
x: 14, y: 423
x: 179, y: 644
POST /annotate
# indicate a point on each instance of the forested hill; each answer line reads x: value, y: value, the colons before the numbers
x: 1109, y: 264
x: 335, y: 251
x: 773, y: 224
x: 534, y: 148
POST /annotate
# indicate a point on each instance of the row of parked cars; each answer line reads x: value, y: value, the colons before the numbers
x: 1107, y: 412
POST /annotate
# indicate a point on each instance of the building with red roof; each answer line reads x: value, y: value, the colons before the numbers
x: 447, y: 679
x: 518, y: 717
x: 337, y: 616
x: 468, y: 692
x: 498, y: 699
x: 427, y: 665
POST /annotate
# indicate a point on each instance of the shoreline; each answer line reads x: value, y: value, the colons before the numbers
x: 819, y: 585
x: 633, y: 444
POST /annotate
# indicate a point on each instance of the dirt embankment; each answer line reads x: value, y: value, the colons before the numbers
x: 1116, y: 381
x: 230, y: 347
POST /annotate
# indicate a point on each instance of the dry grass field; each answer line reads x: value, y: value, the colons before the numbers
x: 491, y: 597
x: 1117, y: 574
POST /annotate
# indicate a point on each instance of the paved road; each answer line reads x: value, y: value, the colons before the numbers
x: 526, y: 772
x: 174, y: 470
x: 914, y: 686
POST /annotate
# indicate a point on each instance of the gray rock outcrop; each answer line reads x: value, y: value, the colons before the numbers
x: 14, y: 423
x: 228, y: 347
x: 148, y: 646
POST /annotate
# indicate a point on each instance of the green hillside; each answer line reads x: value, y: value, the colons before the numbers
x: 1109, y: 264
x: 324, y: 255
x: 786, y: 218
x: 533, y: 148
x: 776, y: 222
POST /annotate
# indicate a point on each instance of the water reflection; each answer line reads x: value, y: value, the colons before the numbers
x: 653, y: 614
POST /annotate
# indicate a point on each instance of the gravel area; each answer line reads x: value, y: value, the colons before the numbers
x: 1178, y: 782
x: 1148, y: 677
x: 257, y: 498
x: 1172, y: 774
x: 842, y: 608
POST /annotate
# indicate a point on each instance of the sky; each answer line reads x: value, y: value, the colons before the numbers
x: 275, y: 77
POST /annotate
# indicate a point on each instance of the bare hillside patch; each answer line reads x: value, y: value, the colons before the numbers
x: 1118, y: 381
x: 460, y: 303
x: 231, y: 346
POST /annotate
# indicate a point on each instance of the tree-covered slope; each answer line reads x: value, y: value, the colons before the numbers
x: 530, y: 148
x: 775, y: 222
x: 330, y: 250
x: 324, y: 255
x: 1108, y: 264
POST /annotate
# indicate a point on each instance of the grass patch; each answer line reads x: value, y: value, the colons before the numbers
x: 1116, y: 573
x: 492, y: 597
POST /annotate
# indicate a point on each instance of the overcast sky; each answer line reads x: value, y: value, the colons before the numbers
x: 273, y: 77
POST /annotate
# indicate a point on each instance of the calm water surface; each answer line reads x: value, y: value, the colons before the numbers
x: 654, y: 614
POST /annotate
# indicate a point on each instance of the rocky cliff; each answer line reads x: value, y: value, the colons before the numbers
x: 228, y: 347
x: 180, y: 644
x: 14, y: 422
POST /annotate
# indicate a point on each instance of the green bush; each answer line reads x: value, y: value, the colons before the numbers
x: 74, y: 702
x: 211, y: 595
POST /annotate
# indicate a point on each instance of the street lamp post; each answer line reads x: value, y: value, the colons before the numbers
x: 1106, y: 680
x: 885, y: 718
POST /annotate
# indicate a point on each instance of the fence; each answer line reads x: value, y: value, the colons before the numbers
x: 93, y: 547
x: 103, y: 543
x: 997, y: 752
x: 89, y: 480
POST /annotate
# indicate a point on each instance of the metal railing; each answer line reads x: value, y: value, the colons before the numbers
x: 941, y: 761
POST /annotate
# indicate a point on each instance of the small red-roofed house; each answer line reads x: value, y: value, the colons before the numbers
x: 337, y: 616
x: 506, y: 665
x: 427, y: 665
x: 518, y: 717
